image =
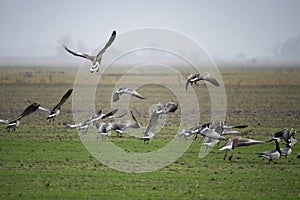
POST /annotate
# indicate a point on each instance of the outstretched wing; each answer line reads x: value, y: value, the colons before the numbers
x: 248, y: 142
x: 74, y: 125
x: 30, y: 109
x: 109, y: 114
x: 40, y: 108
x: 153, y: 122
x: 83, y: 55
x: 4, y: 121
x: 108, y: 44
x: 207, y: 77
x: 63, y: 99
x: 133, y: 93
x: 187, y: 85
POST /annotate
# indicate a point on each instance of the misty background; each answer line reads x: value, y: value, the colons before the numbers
x: 252, y: 31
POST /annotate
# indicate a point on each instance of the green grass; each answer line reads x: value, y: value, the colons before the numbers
x: 43, y: 161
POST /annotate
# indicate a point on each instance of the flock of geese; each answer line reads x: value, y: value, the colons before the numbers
x: 212, y: 132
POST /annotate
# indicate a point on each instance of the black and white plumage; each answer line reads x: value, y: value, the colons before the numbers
x: 272, y: 154
x: 120, y: 91
x: 105, y: 129
x: 298, y: 155
x: 12, y: 125
x: 98, y: 116
x: 159, y: 110
x: 287, y: 150
x: 96, y: 60
x: 56, y: 110
x: 288, y: 136
x: 194, y: 78
x: 234, y: 142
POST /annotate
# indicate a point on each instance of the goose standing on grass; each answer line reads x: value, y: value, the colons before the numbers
x: 56, y: 110
x: 287, y: 150
x: 96, y: 60
x: 12, y: 125
x: 272, y: 154
x: 298, y: 155
x: 159, y: 110
x: 232, y: 143
x: 194, y: 78
x: 120, y: 91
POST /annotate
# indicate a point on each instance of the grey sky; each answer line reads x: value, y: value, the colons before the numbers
x: 224, y: 28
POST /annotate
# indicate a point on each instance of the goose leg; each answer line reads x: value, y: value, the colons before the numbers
x: 230, y: 157
x: 225, y: 154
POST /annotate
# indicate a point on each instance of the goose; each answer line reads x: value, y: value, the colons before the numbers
x: 194, y: 78
x: 12, y: 125
x: 119, y: 127
x: 187, y: 133
x: 298, y: 155
x: 272, y: 154
x: 194, y: 131
x: 287, y: 150
x: 212, y: 134
x: 286, y: 135
x: 120, y: 91
x: 234, y: 142
x: 102, y: 130
x: 96, y: 60
x: 159, y: 110
x: 56, y: 110
x: 98, y: 116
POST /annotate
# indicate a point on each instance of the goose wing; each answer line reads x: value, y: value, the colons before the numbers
x: 207, y: 77
x: 30, y: 109
x: 44, y: 109
x: 247, y: 142
x: 108, y: 44
x: 109, y: 114
x: 153, y: 122
x: 83, y: 55
x: 5, y: 121
x: 40, y: 107
x: 187, y: 85
x: 135, y: 123
x: 74, y: 125
x: 133, y: 93
x: 63, y: 99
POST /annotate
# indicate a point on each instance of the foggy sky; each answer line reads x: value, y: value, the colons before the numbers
x: 227, y: 29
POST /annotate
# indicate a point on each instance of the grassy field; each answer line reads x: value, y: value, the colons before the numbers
x: 48, y: 161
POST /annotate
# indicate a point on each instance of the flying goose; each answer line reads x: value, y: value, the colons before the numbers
x: 96, y: 60
x: 85, y: 124
x: 234, y: 142
x: 194, y: 78
x: 120, y: 91
x: 119, y: 127
x: 272, y: 154
x: 211, y: 133
x: 159, y: 110
x: 56, y: 110
x: 15, y: 123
